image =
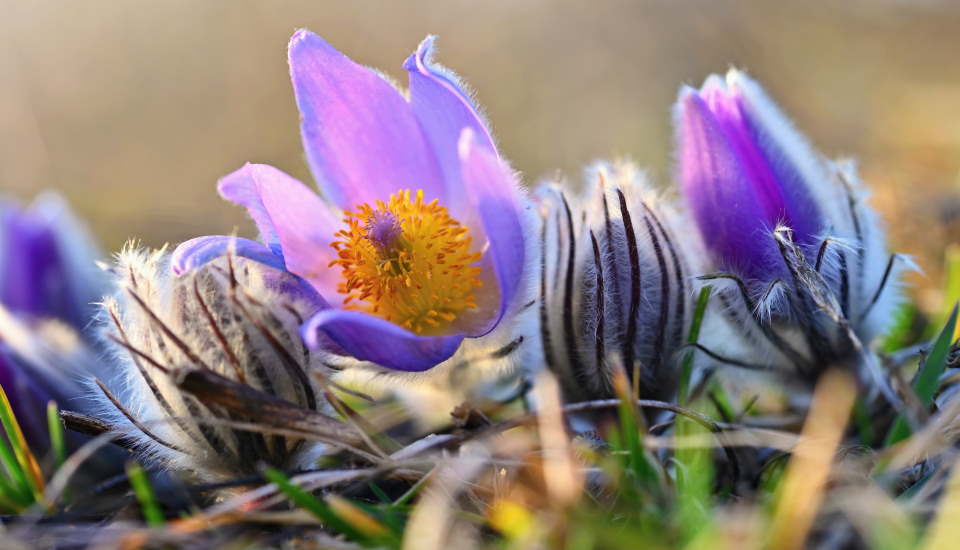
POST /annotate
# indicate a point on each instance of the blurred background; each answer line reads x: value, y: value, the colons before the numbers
x: 134, y: 109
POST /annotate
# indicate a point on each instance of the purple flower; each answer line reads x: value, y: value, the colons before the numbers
x: 48, y: 282
x: 27, y: 393
x: 46, y: 262
x: 418, y: 242
x: 815, y: 283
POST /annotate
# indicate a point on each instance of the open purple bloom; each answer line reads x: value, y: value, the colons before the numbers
x: 418, y: 242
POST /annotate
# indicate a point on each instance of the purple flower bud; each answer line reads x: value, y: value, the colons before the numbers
x: 738, y: 182
x: 812, y: 283
x: 232, y: 325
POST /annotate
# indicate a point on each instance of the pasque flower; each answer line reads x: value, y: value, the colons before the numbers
x: 418, y: 241
x: 48, y: 282
x: 615, y: 284
x: 814, y: 283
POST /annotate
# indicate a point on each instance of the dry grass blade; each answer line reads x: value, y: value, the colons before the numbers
x: 561, y: 474
x: 877, y: 518
x: 359, y: 424
x: 945, y: 532
x: 243, y: 401
x: 935, y: 437
x: 92, y: 426
x: 808, y: 470
x: 65, y: 473
x: 263, y: 496
x: 433, y: 521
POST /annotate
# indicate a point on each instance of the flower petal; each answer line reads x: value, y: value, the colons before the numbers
x: 85, y: 282
x: 728, y: 113
x: 361, y: 137
x: 305, y: 226
x: 196, y: 252
x: 721, y: 195
x: 444, y: 109
x: 299, y: 222
x: 34, y: 280
x: 369, y: 338
x: 241, y: 187
x: 791, y: 160
x: 494, y: 195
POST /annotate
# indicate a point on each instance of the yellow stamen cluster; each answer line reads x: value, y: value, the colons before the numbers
x: 408, y: 262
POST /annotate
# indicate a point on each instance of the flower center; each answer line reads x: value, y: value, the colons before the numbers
x: 408, y: 262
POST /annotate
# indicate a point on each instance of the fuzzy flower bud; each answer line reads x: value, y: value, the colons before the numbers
x: 812, y: 283
x: 615, y: 285
x: 198, y: 353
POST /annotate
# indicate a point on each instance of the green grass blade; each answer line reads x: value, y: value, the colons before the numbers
x: 378, y: 492
x: 18, y: 442
x: 405, y: 498
x: 8, y: 504
x: 16, y: 479
x: 314, y: 505
x: 694, y: 480
x: 14, y: 498
x: 19, y: 462
x: 694, y: 466
x: 951, y: 290
x: 144, y: 493
x: 57, y: 439
x: 864, y: 423
x: 629, y: 434
x: 686, y: 369
x: 379, y: 526
x: 721, y: 400
x: 899, y: 335
x: 928, y: 378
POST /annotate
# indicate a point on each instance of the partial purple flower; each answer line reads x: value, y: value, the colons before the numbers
x: 418, y: 241
x: 27, y: 393
x: 615, y: 284
x: 47, y: 267
x: 48, y: 283
x: 814, y: 284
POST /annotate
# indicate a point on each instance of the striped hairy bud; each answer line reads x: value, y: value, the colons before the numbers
x: 202, y: 356
x: 614, y: 286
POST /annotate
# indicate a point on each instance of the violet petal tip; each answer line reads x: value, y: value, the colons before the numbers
x: 378, y: 341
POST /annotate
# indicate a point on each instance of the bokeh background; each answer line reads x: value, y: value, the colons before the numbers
x: 134, y: 109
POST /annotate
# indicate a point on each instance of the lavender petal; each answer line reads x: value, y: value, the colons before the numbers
x: 360, y: 134
x: 369, y: 338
